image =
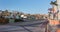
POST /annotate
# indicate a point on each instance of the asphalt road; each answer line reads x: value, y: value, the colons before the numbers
x: 28, y: 26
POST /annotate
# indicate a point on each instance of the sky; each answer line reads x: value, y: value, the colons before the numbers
x: 26, y: 6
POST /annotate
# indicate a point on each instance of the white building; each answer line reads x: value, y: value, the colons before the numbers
x: 58, y: 2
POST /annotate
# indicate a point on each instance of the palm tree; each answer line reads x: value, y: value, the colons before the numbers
x: 54, y: 3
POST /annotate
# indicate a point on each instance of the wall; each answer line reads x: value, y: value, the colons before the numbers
x: 58, y: 2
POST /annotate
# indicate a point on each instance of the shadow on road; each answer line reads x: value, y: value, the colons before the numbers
x: 26, y: 29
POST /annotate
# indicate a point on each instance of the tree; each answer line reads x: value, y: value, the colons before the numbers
x: 53, y: 3
x: 6, y: 11
x: 50, y: 14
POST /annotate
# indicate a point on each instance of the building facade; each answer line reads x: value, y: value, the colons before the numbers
x: 58, y: 2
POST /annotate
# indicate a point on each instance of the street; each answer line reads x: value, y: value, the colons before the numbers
x: 30, y: 26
